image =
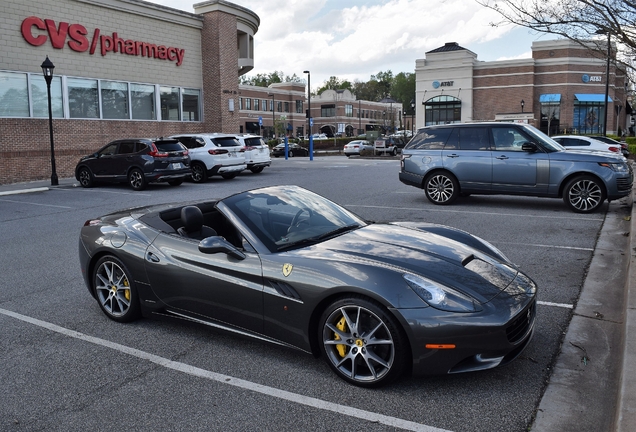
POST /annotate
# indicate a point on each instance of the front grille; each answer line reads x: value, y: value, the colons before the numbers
x: 521, y: 324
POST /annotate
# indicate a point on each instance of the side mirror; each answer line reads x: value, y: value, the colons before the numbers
x: 529, y: 147
x: 216, y: 244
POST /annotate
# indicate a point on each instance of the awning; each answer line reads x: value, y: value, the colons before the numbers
x: 548, y: 98
x: 592, y: 97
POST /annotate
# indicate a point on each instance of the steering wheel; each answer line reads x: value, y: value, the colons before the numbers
x: 296, y: 219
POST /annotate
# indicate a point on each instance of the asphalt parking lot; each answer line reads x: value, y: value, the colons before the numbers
x: 68, y: 367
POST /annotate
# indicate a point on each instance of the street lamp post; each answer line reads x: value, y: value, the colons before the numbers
x: 311, y: 138
x: 412, y: 116
x: 273, y: 118
x: 607, y: 71
x: 47, y: 70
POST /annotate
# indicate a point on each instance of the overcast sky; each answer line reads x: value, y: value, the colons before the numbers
x: 354, y: 39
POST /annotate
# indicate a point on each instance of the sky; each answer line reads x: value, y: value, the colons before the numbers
x: 355, y: 39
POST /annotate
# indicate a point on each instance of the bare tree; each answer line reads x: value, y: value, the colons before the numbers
x: 577, y: 20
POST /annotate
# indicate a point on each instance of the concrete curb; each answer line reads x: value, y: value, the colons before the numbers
x: 626, y: 421
x: 23, y: 191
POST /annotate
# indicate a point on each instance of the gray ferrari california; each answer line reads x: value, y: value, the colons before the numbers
x: 287, y: 266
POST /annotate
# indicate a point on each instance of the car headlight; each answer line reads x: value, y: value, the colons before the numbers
x: 440, y: 296
x: 618, y: 167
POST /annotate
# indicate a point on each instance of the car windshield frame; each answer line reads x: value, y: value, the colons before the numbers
x: 546, y: 142
x: 290, y: 217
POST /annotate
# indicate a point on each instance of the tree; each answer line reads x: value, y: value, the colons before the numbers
x: 334, y: 83
x: 403, y: 90
x: 577, y: 20
x: 264, y: 80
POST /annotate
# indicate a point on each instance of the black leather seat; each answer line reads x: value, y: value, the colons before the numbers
x: 192, y: 220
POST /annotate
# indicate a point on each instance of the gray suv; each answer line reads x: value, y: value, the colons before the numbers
x: 513, y: 159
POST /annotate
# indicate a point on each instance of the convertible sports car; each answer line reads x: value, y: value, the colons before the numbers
x: 285, y: 265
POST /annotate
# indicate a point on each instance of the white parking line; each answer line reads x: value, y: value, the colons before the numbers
x: 569, y: 217
x: 547, y: 246
x: 35, y: 204
x: 229, y: 380
x: 95, y: 190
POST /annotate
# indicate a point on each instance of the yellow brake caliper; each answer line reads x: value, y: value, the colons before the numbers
x: 127, y: 292
x: 342, y: 349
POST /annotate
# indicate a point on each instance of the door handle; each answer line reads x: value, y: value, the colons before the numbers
x: 453, y: 155
x: 152, y: 257
x: 502, y: 157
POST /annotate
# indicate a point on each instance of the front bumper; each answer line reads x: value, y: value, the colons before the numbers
x: 481, y: 341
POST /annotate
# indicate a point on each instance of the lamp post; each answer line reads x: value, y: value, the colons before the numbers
x: 412, y: 117
x: 273, y: 118
x: 607, y: 67
x: 47, y: 70
x: 311, y: 138
x: 359, y: 118
x: 522, y: 104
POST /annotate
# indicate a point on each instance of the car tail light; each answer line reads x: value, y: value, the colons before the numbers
x: 155, y: 152
x: 615, y: 149
x: 248, y: 148
x: 186, y: 152
x: 217, y: 151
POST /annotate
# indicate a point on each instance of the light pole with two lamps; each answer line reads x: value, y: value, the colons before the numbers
x: 607, y: 69
x: 47, y: 70
x: 311, y: 138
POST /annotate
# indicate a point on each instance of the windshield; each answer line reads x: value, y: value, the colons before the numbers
x: 288, y: 217
x: 548, y: 143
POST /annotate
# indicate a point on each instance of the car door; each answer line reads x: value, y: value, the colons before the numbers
x: 515, y: 170
x: 103, y: 166
x: 123, y: 159
x: 214, y: 286
x: 467, y: 155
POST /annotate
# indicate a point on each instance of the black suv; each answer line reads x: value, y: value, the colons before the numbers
x: 137, y: 161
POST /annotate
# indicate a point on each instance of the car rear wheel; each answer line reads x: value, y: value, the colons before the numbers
x: 256, y: 170
x: 362, y: 342
x: 199, y: 173
x: 136, y: 179
x: 584, y: 194
x: 115, y: 291
x: 441, y: 188
x: 85, y: 177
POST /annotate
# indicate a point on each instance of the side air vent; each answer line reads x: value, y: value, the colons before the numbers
x: 284, y: 289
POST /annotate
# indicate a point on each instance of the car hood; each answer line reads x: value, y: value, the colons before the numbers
x: 432, y: 256
x: 587, y: 155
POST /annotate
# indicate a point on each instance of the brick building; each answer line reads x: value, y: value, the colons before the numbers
x: 562, y: 87
x: 123, y: 68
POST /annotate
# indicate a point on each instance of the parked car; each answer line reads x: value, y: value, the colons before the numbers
x: 355, y: 147
x: 284, y: 265
x: 320, y: 136
x: 256, y: 152
x: 388, y: 145
x: 293, y: 149
x: 579, y: 142
x: 137, y: 161
x: 214, y: 154
x: 512, y: 159
x: 624, y: 146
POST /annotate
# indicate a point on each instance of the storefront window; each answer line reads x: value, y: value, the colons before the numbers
x: 83, y: 101
x: 191, y: 99
x: 142, y: 97
x: 169, y: 100
x: 14, y: 97
x: 550, y: 118
x: 443, y: 110
x: 114, y: 100
x: 40, y: 98
x: 588, y: 117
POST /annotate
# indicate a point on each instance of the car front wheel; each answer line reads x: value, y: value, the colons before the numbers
x: 584, y: 194
x: 136, y: 179
x: 115, y: 290
x: 441, y: 188
x: 85, y: 177
x: 362, y: 342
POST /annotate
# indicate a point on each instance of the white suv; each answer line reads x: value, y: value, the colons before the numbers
x: 256, y: 152
x: 213, y: 154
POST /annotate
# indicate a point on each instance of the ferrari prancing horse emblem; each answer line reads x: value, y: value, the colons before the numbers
x: 287, y: 269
